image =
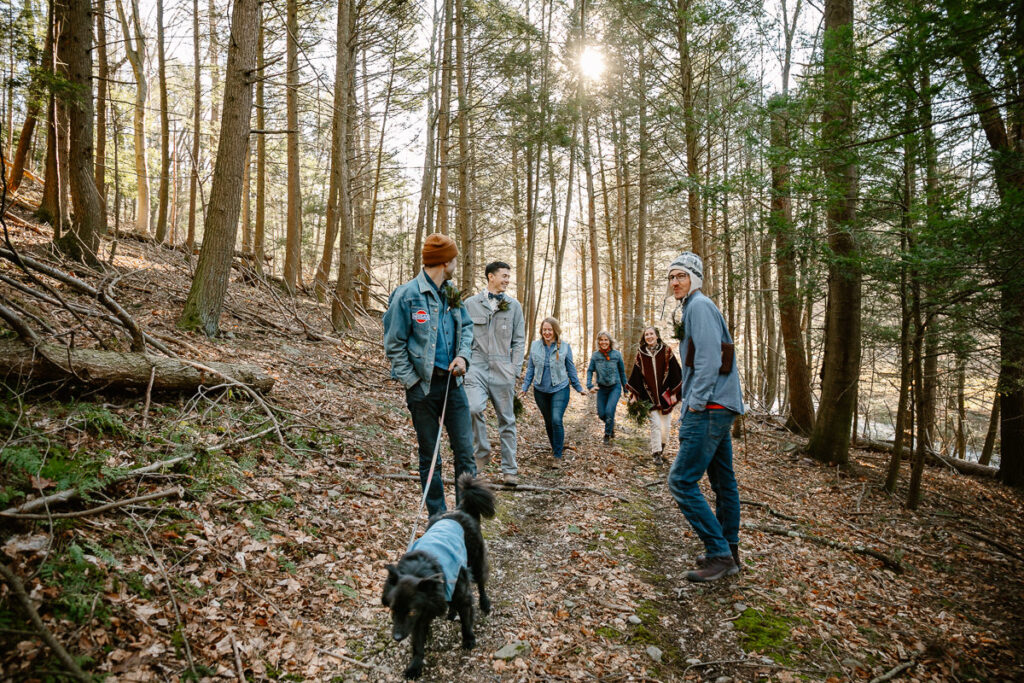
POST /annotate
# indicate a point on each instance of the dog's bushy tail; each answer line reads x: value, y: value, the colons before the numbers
x: 477, y: 498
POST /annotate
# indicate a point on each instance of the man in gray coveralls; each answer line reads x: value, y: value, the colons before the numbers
x: 499, y: 343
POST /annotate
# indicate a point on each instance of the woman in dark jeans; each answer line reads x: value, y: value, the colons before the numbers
x: 550, y: 363
x: 607, y: 364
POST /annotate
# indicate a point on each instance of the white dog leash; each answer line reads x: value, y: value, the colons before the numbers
x: 433, y: 463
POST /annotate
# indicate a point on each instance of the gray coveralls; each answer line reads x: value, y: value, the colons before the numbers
x: 499, y: 343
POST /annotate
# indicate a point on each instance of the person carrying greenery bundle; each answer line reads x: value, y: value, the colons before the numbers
x: 656, y: 377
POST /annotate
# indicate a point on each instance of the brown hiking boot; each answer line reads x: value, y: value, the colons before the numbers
x: 733, y: 547
x: 511, y: 480
x: 714, y: 568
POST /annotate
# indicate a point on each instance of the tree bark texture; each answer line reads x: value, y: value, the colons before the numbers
x: 293, y: 235
x: 136, y: 54
x: 830, y: 437
x: 210, y: 283
x: 120, y: 369
x: 342, y: 304
x: 74, y: 49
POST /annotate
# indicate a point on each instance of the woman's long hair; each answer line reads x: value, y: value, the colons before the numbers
x: 606, y: 335
x: 556, y: 328
x: 657, y: 333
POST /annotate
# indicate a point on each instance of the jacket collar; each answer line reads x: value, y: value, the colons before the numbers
x: 426, y: 285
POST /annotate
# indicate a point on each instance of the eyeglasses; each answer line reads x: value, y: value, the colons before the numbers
x: 679, y: 277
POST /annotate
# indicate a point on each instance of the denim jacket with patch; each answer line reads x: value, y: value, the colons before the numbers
x: 410, y: 332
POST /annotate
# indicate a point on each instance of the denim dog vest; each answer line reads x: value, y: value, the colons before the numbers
x: 445, y: 541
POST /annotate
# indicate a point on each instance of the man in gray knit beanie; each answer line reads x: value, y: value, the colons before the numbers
x: 712, y: 399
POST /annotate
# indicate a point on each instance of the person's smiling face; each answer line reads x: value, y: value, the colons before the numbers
x: 547, y: 333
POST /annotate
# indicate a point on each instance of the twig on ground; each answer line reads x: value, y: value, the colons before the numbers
x: 177, y: 490
x: 18, y: 588
x: 893, y: 672
x: 344, y: 658
x: 239, y: 671
x: 773, y: 512
x: 889, y: 562
x: 149, y: 396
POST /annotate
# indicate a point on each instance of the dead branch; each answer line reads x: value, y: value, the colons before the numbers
x: 18, y: 588
x: 889, y: 562
x: 935, y: 458
x: 165, y: 493
x: 893, y: 672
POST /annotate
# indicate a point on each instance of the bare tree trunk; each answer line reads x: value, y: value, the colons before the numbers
x: 136, y: 55
x: 801, y: 406
x: 50, y: 210
x: 210, y: 283
x: 443, y: 119
x: 830, y: 437
x: 990, y: 434
x: 74, y: 48
x: 517, y: 220
x: 197, y: 104
x: 165, y: 130
x: 641, y: 228
x: 613, y: 268
x: 342, y: 305
x: 293, y: 237
x: 462, y: 223
x: 425, y: 210
x: 102, y: 74
x: 690, y: 127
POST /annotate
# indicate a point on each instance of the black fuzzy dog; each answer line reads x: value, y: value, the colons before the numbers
x: 434, y: 575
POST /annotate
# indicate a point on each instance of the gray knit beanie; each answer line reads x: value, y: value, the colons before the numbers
x: 692, y: 265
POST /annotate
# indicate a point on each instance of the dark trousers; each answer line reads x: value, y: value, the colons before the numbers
x: 607, y: 401
x: 426, y: 415
x: 552, y: 408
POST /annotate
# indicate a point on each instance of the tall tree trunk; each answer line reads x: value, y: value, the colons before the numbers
x: 463, y: 227
x: 379, y: 154
x: 210, y: 283
x: 830, y: 437
x: 34, y: 99
x: 136, y: 55
x: 74, y: 49
x: 564, y: 239
x: 197, y: 104
x: 990, y: 433
x: 293, y: 236
x: 444, y: 119
x: 595, y: 262
x: 425, y: 209
x: 689, y: 128
x: 102, y: 74
x: 641, y: 227
x: 343, y: 303
x: 798, y: 375
x: 165, y: 130
x: 613, y: 268
x: 517, y: 222
x: 50, y: 209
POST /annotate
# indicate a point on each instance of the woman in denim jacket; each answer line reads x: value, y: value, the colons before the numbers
x: 606, y: 362
x: 551, y: 362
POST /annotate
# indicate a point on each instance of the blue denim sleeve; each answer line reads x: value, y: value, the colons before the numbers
x: 528, y: 379
x: 622, y: 371
x: 396, y: 342
x: 591, y: 369
x: 570, y: 369
x: 706, y: 334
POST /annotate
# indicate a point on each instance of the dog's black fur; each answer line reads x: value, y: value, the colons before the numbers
x: 415, y: 587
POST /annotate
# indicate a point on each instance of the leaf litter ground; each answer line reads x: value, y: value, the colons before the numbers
x: 275, y: 557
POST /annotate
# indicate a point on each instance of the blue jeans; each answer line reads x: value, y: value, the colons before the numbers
x: 552, y: 408
x: 607, y: 400
x: 426, y: 415
x: 705, y: 445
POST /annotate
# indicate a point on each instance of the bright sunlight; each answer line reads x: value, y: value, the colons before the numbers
x: 592, y: 63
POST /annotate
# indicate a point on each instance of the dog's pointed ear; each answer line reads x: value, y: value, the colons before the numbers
x: 392, y: 574
x: 431, y: 582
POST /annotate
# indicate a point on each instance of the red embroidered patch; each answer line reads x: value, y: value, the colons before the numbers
x: 421, y: 316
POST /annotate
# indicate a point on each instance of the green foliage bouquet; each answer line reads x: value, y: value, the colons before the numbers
x: 517, y: 407
x: 639, y: 412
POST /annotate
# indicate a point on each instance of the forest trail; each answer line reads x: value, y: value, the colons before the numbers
x: 273, y: 560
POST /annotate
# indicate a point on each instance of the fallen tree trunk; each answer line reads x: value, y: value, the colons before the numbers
x: 934, y: 458
x: 120, y: 369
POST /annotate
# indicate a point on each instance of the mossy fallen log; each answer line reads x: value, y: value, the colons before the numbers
x: 122, y: 369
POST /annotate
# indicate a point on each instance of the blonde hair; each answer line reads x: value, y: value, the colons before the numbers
x: 556, y: 328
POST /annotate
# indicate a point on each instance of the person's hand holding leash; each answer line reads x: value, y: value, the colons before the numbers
x: 458, y: 366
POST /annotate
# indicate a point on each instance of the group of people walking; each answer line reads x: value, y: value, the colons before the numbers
x: 453, y: 356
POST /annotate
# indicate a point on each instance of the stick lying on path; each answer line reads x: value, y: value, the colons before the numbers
x: 18, y: 588
x: 520, y: 487
x: 175, y: 491
x: 889, y: 562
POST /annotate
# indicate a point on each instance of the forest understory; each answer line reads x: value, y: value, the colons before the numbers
x: 261, y: 551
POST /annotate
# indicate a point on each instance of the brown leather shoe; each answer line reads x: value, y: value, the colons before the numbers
x: 714, y: 568
x: 511, y: 480
x: 733, y: 547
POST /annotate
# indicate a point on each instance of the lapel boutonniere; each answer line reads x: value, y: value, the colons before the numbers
x: 452, y: 294
x: 503, y: 305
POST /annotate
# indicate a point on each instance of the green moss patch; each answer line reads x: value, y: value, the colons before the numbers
x: 768, y: 632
